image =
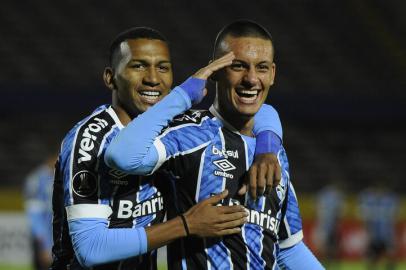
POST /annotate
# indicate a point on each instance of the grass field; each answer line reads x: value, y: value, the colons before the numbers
x: 340, y: 266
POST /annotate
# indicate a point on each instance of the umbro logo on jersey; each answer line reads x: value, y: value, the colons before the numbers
x: 89, y: 137
x: 224, y: 153
x: 225, y: 166
x: 117, y: 174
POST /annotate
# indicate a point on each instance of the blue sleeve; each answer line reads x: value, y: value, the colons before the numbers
x: 94, y: 243
x: 132, y: 150
x: 298, y: 257
x: 267, y: 130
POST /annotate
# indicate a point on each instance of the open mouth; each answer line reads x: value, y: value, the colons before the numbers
x: 247, y: 96
x: 150, y: 96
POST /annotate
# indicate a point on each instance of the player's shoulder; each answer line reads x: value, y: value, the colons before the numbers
x: 88, y: 134
x: 191, y: 117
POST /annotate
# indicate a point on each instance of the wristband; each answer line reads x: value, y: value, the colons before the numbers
x: 185, y: 224
x: 267, y: 142
x: 194, y: 88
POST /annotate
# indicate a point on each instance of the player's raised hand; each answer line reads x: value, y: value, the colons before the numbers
x: 207, y: 71
x: 206, y: 219
x: 264, y: 173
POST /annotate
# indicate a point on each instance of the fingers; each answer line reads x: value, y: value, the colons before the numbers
x: 278, y: 174
x: 232, y: 224
x: 270, y: 180
x: 229, y: 231
x: 261, y: 178
x: 216, y: 198
x: 231, y: 209
x: 217, y: 64
x: 243, y: 189
x: 253, y: 182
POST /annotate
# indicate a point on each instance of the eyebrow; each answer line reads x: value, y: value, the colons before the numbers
x: 146, y: 62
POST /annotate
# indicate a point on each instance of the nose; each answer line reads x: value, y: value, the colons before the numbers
x: 151, y: 78
x: 251, y: 77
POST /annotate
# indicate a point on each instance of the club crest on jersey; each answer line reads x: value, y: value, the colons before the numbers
x: 84, y: 184
x: 224, y: 153
x: 224, y: 165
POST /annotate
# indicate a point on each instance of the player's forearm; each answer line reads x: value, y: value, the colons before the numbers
x: 94, y: 243
x: 132, y: 150
x: 162, y: 234
x: 298, y: 257
x: 267, y: 130
x: 267, y: 119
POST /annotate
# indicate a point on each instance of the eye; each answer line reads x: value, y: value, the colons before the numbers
x: 262, y: 68
x: 138, y: 66
x: 237, y: 66
x: 163, y: 68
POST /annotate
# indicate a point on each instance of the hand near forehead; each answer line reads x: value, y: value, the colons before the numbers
x: 207, y: 71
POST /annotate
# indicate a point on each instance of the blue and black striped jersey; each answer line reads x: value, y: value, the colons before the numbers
x: 203, y: 155
x: 85, y: 186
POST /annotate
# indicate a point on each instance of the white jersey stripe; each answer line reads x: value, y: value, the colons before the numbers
x: 78, y: 211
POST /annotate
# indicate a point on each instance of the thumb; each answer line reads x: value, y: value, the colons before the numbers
x: 243, y: 189
x: 218, y: 197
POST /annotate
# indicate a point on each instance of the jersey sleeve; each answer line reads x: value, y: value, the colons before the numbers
x: 94, y: 243
x: 290, y: 230
x: 298, y: 256
x: 267, y: 130
x: 135, y: 149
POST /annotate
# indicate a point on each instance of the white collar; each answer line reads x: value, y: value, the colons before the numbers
x: 222, y: 121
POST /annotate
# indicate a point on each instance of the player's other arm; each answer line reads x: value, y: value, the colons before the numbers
x: 265, y: 172
x: 294, y: 254
x: 94, y: 243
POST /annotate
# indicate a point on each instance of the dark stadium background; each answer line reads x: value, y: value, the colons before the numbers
x: 340, y: 85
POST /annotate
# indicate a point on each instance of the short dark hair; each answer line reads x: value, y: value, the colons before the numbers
x: 241, y: 28
x: 134, y: 33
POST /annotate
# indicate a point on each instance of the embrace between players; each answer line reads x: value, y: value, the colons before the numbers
x: 127, y: 164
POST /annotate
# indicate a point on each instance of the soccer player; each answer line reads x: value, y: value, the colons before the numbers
x: 38, y: 207
x: 205, y: 152
x: 105, y: 218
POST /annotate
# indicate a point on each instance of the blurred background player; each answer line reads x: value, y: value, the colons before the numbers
x: 38, y: 208
x: 330, y: 204
x: 378, y: 209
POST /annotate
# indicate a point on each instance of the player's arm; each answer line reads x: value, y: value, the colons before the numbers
x: 293, y: 254
x: 94, y: 243
x: 298, y: 256
x: 265, y: 172
x: 134, y: 149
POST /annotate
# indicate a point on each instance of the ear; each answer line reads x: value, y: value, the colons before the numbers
x: 273, y: 73
x: 108, y: 78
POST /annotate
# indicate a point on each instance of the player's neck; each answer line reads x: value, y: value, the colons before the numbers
x: 122, y: 115
x: 242, y: 124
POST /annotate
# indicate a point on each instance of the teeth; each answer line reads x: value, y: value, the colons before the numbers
x: 150, y: 93
x: 248, y: 92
